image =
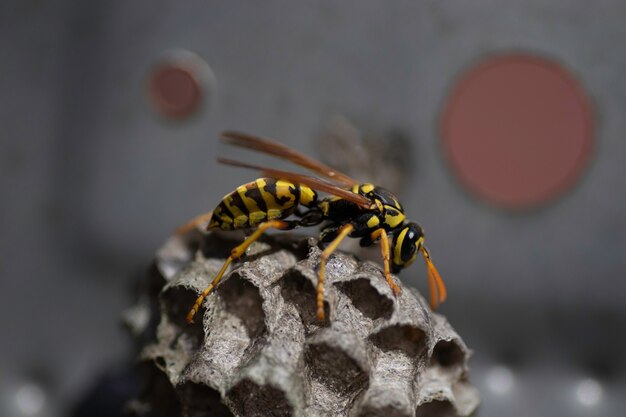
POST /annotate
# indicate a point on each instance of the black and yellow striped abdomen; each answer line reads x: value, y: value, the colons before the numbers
x: 259, y: 201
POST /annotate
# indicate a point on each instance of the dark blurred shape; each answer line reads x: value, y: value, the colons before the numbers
x: 518, y: 130
x: 177, y: 85
x: 383, y: 158
x: 138, y: 391
x: 109, y: 395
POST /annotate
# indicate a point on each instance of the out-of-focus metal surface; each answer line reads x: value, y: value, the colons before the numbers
x: 92, y: 180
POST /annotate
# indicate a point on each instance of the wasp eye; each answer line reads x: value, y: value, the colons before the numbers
x: 408, y: 249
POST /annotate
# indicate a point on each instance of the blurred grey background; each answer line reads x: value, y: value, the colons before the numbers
x: 94, y: 177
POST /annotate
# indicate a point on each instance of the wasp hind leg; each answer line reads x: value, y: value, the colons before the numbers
x: 343, y: 232
x: 195, y: 223
x: 236, y: 253
x: 384, y: 248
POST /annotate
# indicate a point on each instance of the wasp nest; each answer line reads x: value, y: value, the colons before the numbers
x: 257, y: 348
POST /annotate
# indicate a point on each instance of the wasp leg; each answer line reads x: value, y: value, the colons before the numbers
x: 343, y: 232
x: 312, y: 217
x: 194, y: 223
x: 384, y: 248
x: 234, y: 254
x: 329, y: 233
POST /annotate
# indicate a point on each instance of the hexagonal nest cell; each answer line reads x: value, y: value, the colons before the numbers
x: 258, y: 350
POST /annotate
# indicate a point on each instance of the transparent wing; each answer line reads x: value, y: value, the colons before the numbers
x: 315, y: 183
x: 276, y: 149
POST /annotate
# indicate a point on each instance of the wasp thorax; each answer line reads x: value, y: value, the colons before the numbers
x: 385, y: 204
x: 406, y: 243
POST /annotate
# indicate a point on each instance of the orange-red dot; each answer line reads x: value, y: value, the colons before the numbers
x: 518, y: 130
x: 174, y: 89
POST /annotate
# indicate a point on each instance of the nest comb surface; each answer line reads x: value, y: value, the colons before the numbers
x: 257, y: 348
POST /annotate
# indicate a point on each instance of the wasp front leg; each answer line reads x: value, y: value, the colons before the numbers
x: 343, y: 232
x: 384, y: 247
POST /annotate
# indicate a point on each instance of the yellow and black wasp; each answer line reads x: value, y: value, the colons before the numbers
x: 358, y: 210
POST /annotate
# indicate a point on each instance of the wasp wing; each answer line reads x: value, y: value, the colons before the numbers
x: 315, y: 183
x: 277, y: 149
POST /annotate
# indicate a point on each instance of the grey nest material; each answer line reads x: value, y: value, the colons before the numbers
x: 257, y: 348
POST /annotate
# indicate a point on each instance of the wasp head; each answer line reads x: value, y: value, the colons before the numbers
x: 406, y: 243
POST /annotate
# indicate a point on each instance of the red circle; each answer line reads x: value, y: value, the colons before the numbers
x: 174, y: 90
x: 518, y: 130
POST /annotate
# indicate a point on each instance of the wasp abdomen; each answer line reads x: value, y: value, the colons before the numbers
x: 259, y: 201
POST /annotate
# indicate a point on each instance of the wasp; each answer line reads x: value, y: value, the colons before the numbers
x: 285, y: 200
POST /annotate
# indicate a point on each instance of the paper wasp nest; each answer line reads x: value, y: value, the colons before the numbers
x: 257, y: 348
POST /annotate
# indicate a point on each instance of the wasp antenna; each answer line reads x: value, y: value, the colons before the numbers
x: 441, y: 288
x: 432, y: 287
x: 438, y: 292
